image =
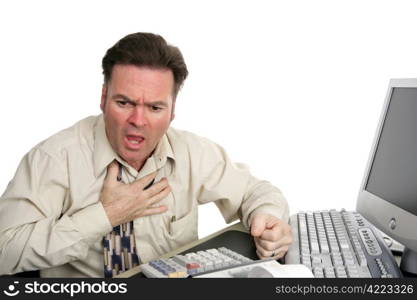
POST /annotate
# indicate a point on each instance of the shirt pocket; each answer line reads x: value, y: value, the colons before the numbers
x: 182, y: 231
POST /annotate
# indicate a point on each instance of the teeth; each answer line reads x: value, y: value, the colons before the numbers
x: 135, y: 141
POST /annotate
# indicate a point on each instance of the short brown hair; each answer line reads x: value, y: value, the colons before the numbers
x: 149, y: 50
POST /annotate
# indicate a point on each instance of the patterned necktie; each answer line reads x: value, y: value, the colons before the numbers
x: 119, y: 250
x: 119, y: 247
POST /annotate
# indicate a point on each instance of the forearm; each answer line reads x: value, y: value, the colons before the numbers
x: 263, y: 198
x: 235, y: 191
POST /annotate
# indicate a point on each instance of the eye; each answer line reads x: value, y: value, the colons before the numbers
x: 155, y: 108
x: 122, y: 103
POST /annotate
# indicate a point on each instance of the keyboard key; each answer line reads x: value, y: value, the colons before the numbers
x: 340, y: 272
x: 352, y: 271
x: 337, y: 259
x: 329, y: 272
x: 318, y: 272
x: 177, y: 275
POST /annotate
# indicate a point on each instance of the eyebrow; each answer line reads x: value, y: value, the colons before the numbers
x: 157, y: 103
x: 130, y: 101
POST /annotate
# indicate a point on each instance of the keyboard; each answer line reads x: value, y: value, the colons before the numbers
x: 339, y: 244
x: 194, y: 263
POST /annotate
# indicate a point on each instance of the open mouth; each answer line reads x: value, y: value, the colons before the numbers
x: 134, y: 141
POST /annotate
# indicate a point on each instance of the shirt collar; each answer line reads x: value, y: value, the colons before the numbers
x: 104, y: 154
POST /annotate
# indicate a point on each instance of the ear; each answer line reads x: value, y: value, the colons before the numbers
x: 173, y: 110
x: 103, y: 97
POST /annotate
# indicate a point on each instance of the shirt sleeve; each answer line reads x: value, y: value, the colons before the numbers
x: 35, y: 231
x: 234, y: 190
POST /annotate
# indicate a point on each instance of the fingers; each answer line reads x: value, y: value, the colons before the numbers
x: 145, y: 181
x: 266, y: 245
x: 156, y: 188
x: 285, y: 240
x: 275, y: 232
x: 261, y: 223
x: 160, y: 190
x: 159, y: 196
x: 266, y: 249
x: 152, y: 196
x: 276, y: 254
x: 111, y: 176
x: 273, y: 241
x: 258, y: 225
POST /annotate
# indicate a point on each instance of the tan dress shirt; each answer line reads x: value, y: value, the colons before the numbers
x: 51, y: 217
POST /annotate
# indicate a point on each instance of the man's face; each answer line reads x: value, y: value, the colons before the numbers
x: 137, y: 105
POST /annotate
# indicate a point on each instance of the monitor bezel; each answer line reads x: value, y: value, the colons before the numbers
x: 376, y: 210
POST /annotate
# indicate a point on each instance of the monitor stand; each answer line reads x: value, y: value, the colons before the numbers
x: 409, y: 263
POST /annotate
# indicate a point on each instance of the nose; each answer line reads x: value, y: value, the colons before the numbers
x: 137, y: 117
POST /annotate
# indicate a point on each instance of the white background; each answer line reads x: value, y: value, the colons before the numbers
x: 292, y: 88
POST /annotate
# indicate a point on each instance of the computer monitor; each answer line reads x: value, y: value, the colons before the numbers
x: 388, y: 193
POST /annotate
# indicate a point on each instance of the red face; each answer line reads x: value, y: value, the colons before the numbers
x: 138, y: 107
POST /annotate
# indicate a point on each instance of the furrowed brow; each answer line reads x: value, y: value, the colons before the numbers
x: 157, y: 103
x: 124, y: 98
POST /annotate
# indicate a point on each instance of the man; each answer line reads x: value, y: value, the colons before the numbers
x: 127, y: 166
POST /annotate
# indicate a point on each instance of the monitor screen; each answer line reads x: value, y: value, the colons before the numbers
x: 393, y: 173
